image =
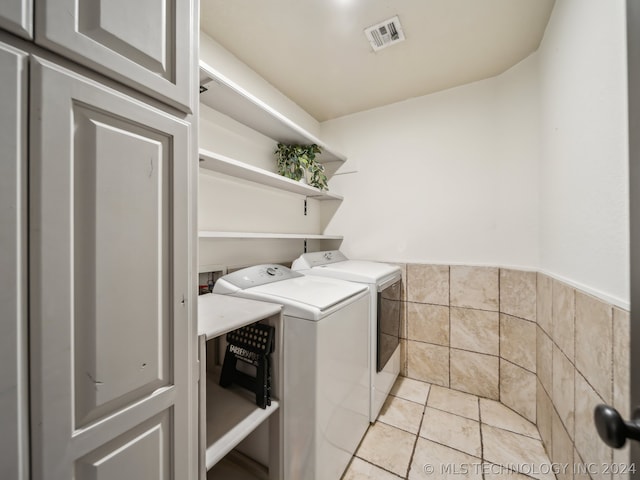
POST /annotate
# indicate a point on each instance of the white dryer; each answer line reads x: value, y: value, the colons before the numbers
x: 383, y: 281
x: 325, y: 408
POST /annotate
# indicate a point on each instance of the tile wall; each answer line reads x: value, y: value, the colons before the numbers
x: 544, y: 349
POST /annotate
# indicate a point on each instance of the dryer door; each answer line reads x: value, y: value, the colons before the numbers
x: 388, y: 323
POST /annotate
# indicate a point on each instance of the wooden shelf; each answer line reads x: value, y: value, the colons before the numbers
x: 220, y: 314
x: 229, y: 166
x: 267, y: 235
x: 231, y: 416
x: 230, y: 99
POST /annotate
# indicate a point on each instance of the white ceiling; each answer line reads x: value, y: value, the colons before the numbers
x: 315, y: 51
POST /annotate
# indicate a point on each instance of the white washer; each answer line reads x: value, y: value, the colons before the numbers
x: 383, y: 281
x: 325, y: 408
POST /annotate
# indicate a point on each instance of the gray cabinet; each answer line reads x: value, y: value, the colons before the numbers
x: 16, y: 16
x: 146, y: 44
x: 14, y: 441
x: 109, y: 280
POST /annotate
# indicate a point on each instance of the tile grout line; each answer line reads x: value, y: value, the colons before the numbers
x: 481, y: 438
x: 415, y: 443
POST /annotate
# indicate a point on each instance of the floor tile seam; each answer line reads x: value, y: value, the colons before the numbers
x: 510, y: 469
x: 517, y: 317
x: 452, y: 413
x: 415, y: 442
x: 508, y: 429
x: 511, y: 431
x: 451, y: 447
x: 517, y: 365
x: 397, y: 427
x: 378, y: 466
x: 407, y: 399
x: 515, y: 433
x: 481, y: 436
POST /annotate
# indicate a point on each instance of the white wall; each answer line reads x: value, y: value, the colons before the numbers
x: 528, y: 169
x: 445, y: 178
x: 584, y: 208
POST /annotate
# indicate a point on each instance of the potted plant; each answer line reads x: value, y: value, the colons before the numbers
x: 295, y: 161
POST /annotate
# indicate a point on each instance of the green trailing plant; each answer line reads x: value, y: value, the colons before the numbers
x: 294, y: 160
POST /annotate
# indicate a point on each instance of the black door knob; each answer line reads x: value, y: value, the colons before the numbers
x: 613, y: 430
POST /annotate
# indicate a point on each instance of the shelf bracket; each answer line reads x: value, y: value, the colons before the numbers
x: 305, y: 206
x: 305, y: 246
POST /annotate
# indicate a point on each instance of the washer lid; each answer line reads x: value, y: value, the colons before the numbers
x: 314, y: 292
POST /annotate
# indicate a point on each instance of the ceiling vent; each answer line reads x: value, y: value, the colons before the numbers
x: 384, y: 34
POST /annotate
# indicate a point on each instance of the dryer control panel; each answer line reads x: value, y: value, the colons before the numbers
x: 318, y: 259
x: 253, y: 277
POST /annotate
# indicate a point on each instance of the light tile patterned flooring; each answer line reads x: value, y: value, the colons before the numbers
x: 427, y: 432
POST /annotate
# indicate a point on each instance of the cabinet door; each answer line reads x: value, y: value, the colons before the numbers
x: 146, y: 44
x: 14, y: 440
x: 16, y: 16
x: 111, y: 375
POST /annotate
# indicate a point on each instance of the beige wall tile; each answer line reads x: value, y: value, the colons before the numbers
x: 544, y: 412
x: 518, y: 293
x: 563, y: 389
x: 544, y: 302
x: 594, y: 343
x: 622, y: 460
x: 474, y: 287
x: 544, y: 359
x: 474, y: 330
x: 563, y: 317
x: 403, y: 357
x: 403, y: 286
x: 428, y: 284
x: 475, y: 373
x: 621, y: 362
x: 579, y: 472
x: 518, y: 341
x: 518, y: 389
x: 429, y: 363
x: 428, y: 323
x: 562, y: 449
x: 588, y: 444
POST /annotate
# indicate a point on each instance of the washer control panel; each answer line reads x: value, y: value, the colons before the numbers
x: 257, y: 275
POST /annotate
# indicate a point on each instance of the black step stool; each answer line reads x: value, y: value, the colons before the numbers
x: 254, y: 345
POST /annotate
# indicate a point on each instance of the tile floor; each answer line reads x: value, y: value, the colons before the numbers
x: 429, y: 432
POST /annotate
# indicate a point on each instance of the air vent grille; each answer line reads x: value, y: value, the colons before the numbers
x: 385, y: 34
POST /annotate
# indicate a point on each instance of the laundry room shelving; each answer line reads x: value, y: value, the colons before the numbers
x: 268, y: 235
x: 229, y: 415
x: 225, y: 96
x: 229, y: 166
x: 241, y: 123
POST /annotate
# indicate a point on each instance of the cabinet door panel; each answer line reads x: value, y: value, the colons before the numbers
x: 16, y: 16
x: 14, y: 440
x: 143, y: 43
x: 110, y: 327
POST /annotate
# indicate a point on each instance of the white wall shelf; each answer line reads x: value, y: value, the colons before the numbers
x: 229, y: 415
x: 268, y: 235
x: 229, y: 166
x: 220, y: 314
x: 227, y: 97
x: 232, y: 415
